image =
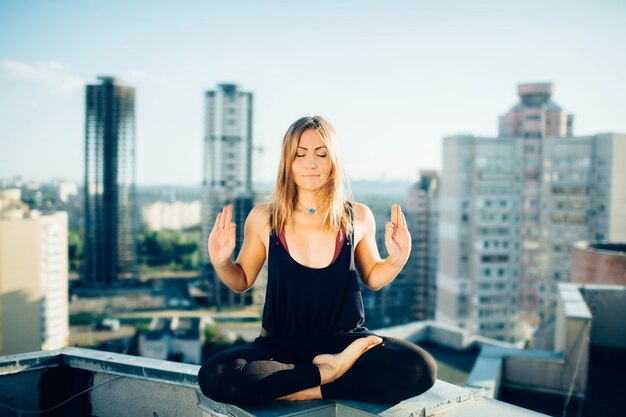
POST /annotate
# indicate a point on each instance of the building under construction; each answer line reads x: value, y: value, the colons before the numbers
x: 111, y: 215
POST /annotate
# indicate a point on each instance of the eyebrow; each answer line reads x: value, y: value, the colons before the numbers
x: 306, y: 149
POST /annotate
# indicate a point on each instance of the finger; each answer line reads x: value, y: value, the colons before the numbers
x: 404, y: 225
x: 397, y: 222
x: 398, y: 216
x: 401, y: 219
x: 222, y: 218
x: 229, y: 214
x: 217, y: 221
x: 388, y: 232
x: 394, y: 215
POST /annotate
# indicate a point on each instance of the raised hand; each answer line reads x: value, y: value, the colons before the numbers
x: 397, y: 237
x: 222, y: 238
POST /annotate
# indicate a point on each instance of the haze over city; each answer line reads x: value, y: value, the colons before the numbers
x: 393, y: 77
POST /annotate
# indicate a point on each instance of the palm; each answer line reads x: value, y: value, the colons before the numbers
x: 223, y: 236
x: 397, y: 236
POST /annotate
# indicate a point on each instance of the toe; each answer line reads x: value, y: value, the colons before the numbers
x: 373, y: 341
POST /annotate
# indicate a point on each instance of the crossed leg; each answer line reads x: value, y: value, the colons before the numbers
x: 363, y: 371
x: 391, y: 372
x: 334, y: 366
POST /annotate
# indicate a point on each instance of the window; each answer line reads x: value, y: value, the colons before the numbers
x: 566, y: 218
x: 494, y: 258
x: 569, y: 190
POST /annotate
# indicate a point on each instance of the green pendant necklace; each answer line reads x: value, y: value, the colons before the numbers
x: 311, y: 211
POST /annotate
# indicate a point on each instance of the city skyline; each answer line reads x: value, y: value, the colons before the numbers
x: 416, y: 73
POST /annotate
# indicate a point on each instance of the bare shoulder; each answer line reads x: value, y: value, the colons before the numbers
x: 364, y: 223
x: 258, y: 221
x: 260, y: 211
x: 362, y: 213
x: 258, y: 217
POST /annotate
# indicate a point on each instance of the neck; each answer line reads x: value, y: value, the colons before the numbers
x: 310, y: 199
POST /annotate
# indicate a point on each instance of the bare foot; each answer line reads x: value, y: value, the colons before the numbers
x: 332, y: 367
x: 314, y: 393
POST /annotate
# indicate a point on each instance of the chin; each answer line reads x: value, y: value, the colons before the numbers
x: 311, y: 187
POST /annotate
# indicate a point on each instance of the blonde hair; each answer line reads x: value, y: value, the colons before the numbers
x: 336, y: 212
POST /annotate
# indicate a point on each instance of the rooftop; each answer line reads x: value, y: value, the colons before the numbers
x: 577, y: 363
x: 535, y: 88
x: 97, y: 383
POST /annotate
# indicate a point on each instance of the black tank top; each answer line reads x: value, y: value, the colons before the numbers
x: 302, y: 301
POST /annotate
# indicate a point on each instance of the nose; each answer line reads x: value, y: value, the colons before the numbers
x: 310, y: 162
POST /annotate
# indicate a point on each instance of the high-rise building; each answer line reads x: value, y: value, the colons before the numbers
x: 422, y: 216
x: 583, y: 198
x: 479, y: 235
x: 110, y: 213
x: 534, y: 117
x: 512, y: 206
x: 33, y: 277
x: 227, y: 176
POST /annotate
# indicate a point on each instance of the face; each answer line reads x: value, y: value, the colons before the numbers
x: 311, y: 166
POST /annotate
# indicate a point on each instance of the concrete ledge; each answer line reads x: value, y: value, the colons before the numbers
x: 441, y: 397
x: 11, y: 364
x: 98, y: 361
x: 129, y: 385
x: 438, y: 399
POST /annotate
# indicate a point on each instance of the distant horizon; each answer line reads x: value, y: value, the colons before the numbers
x: 199, y: 184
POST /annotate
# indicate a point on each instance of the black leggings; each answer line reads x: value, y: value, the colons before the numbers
x: 272, y: 368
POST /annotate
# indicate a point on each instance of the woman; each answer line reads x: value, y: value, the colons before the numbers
x: 313, y: 344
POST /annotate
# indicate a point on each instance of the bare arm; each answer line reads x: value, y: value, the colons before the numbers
x: 240, y: 275
x: 375, y: 272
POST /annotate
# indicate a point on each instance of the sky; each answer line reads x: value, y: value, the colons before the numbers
x: 393, y: 77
